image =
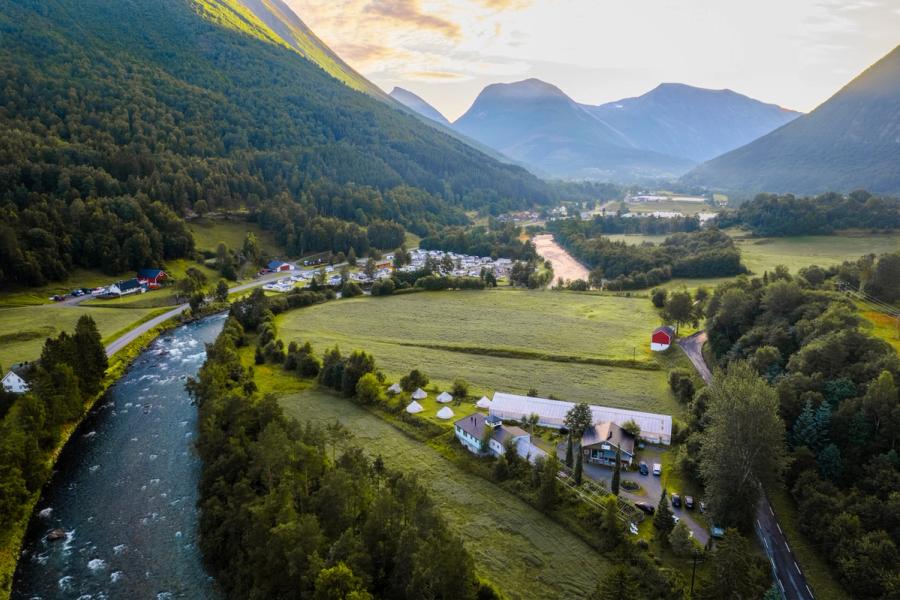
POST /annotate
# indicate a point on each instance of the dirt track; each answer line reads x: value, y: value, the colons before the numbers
x: 564, y: 265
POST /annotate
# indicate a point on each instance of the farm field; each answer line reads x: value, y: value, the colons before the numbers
x: 24, y: 329
x: 764, y: 254
x: 521, y: 551
x: 449, y: 335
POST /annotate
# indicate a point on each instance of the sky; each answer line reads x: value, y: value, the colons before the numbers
x: 795, y: 53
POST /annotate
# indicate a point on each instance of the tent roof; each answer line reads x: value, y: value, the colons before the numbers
x: 483, y: 403
x: 395, y: 388
x: 444, y: 397
x: 445, y: 413
x: 414, y: 407
x: 419, y: 394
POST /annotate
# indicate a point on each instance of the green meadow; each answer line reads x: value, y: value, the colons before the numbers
x: 519, y: 549
x: 573, y: 346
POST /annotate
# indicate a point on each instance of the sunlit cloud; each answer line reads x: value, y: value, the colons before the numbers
x: 598, y: 51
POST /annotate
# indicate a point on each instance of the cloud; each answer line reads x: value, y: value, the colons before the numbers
x: 505, y: 4
x: 409, y: 12
x: 435, y: 76
x: 364, y: 52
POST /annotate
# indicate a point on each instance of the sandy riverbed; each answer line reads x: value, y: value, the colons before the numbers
x: 564, y: 266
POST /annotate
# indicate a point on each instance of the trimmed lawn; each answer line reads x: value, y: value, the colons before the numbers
x: 523, y: 552
x: 24, y: 329
x: 451, y: 335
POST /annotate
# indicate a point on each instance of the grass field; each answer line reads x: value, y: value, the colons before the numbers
x: 521, y: 551
x: 209, y: 232
x: 477, y: 335
x: 24, y: 329
x: 883, y: 326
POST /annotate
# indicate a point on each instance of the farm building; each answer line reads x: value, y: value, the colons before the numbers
x: 444, y: 397
x: 14, y: 383
x: 470, y: 432
x: 277, y: 265
x: 662, y: 338
x: 600, y: 443
x: 152, y: 278
x: 124, y: 288
x: 655, y: 428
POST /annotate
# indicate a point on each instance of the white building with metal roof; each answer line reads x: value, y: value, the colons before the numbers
x: 655, y: 428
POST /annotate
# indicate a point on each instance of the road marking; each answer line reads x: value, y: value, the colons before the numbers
x: 759, y: 524
x: 796, y: 566
x: 779, y: 528
x: 781, y: 585
x: 771, y: 511
x: 810, y: 592
x: 786, y: 546
x: 767, y: 546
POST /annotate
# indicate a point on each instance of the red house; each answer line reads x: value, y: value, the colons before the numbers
x: 662, y: 338
x: 152, y: 278
x: 277, y: 266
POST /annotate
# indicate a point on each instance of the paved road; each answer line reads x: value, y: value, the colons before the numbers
x: 143, y: 328
x: 790, y: 578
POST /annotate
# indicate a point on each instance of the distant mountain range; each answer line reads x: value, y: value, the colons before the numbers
x: 691, y: 122
x: 662, y: 133
x: 414, y: 102
x: 537, y: 124
x: 850, y: 141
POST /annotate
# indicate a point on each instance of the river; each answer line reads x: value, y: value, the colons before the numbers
x: 125, y: 491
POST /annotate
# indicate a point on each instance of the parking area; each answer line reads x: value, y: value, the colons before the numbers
x: 650, y: 486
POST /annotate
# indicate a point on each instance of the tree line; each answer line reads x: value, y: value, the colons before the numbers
x: 69, y: 373
x: 282, y: 516
x: 496, y: 240
x: 806, y: 395
x: 773, y: 215
x: 621, y: 266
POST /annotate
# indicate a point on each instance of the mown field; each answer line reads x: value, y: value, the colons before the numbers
x: 209, y: 232
x: 521, y: 551
x: 24, y: 329
x: 503, y: 339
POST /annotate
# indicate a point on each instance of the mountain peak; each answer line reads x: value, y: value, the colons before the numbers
x: 419, y: 105
x: 526, y: 89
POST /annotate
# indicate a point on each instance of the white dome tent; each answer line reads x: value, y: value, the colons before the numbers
x: 483, y: 403
x: 414, y: 407
x: 445, y: 413
x: 419, y: 394
x: 444, y: 398
x: 394, y: 389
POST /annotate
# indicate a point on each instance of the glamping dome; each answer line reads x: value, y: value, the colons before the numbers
x: 444, y: 397
x: 414, y: 407
x: 445, y: 413
x: 419, y: 394
x: 483, y: 403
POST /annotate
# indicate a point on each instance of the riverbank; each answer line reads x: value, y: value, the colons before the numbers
x: 565, y: 266
x: 120, y: 360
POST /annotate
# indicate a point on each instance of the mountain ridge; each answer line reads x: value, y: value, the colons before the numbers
x: 852, y: 140
x: 418, y: 104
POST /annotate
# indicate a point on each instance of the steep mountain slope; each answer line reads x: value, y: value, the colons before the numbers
x: 129, y: 109
x: 410, y: 100
x: 690, y: 122
x: 536, y: 123
x: 850, y: 141
x: 274, y: 20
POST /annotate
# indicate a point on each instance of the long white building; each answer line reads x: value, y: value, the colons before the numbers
x: 655, y: 428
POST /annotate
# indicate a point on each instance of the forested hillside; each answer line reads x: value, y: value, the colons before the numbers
x: 136, y: 112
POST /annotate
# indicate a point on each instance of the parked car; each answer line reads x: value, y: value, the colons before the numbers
x: 644, y: 469
x: 689, y: 502
x: 57, y: 298
x: 657, y: 469
x: 645, y: 508
x: 676, y: 500
x: 702, y: 506
x: 717, y: 532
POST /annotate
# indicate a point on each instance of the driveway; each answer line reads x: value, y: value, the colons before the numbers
x: 693, y: 347
x: 651, y: 487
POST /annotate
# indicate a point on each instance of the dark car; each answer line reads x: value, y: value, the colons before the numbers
x: 689, y: 502
x: 676, y: 500
x: 644, y: 507
x: 644, y: 469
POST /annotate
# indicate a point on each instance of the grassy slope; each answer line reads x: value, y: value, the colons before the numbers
x: 883, y: 326
x: 208, y: 233
x: 394, y: 329
x: 526, y: 554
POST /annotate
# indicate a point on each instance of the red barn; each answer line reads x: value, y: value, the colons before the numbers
x: 662, y: 338
x: 152, y: 278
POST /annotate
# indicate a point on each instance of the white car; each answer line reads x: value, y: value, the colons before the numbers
x: 657, y: 469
